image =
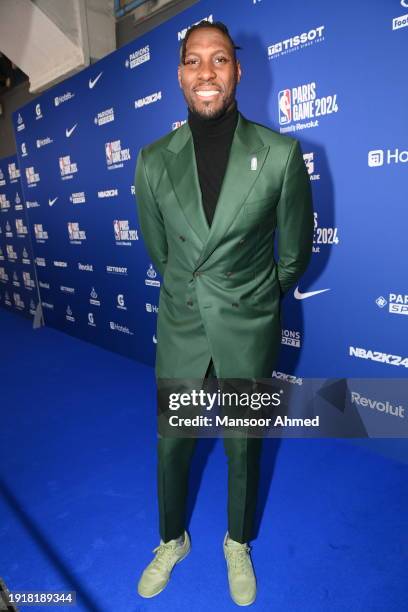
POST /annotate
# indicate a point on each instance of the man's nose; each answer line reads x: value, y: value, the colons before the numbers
x: 206, y: 71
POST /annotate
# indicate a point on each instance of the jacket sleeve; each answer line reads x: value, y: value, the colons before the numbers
x: 295, y: 220
x: 150, y: 218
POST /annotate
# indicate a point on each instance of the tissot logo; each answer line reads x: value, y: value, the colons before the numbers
x: 117, y: 270
x: 305, y: 39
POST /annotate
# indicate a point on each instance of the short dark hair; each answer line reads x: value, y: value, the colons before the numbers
x: 216, y: 25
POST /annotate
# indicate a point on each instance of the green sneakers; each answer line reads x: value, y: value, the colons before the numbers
x: 241, y: 578
x: 157, y: 574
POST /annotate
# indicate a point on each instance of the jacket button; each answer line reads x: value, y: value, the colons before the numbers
x: 182, y: 238
x: 197, y: 274
x: 242, y: 241
x: 228, y: 274
x: 190, y: 303
x: 235, y: 304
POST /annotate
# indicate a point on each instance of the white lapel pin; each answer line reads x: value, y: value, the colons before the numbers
x: 254, y: 163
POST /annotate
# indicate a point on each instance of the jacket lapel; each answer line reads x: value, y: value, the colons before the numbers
x: 240, y: 175
x: 182, y: 169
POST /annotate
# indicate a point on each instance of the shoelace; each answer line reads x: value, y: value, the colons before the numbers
x: 239, y: 558
x: 164, y: 555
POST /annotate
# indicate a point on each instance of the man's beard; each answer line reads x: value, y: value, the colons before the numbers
x: 212, y: 113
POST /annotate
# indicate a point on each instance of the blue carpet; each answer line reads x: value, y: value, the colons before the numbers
x: 78, y: 496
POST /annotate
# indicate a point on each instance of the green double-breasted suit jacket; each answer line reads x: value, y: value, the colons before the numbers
x: 222, y: 287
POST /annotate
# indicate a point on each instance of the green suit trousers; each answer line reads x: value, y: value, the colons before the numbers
x: 173, y: 467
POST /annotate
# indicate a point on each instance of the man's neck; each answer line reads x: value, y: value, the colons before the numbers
x: 212, y: 127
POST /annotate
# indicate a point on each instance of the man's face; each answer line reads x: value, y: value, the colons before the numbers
x: 209, y: 75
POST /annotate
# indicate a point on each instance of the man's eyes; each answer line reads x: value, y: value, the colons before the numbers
x: 219, y: 60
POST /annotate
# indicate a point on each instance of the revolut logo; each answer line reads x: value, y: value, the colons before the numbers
x: 294, y: 43
x: 381, y: 157
x: 386, y: 407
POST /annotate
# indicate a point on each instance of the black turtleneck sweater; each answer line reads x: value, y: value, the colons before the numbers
x: 212, y: 144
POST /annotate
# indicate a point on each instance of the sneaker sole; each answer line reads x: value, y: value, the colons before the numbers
x: 164, y: 586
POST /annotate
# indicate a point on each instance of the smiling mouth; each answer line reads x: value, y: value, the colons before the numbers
x: 207, y: 93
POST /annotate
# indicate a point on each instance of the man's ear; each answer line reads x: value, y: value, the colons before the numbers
x: 239, y: 72
x: 179, y: 75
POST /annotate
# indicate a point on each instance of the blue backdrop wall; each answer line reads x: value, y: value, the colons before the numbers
x: 18, y: 282
x: 327, y: 74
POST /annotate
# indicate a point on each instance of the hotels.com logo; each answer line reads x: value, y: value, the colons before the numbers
x: 379, y: 157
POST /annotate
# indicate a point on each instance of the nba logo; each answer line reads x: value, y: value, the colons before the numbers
x: 285, y: 110
x: 116, y: 229
x: 108, y: 152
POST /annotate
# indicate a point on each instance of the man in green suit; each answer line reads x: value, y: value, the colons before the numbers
x: 210, y: 197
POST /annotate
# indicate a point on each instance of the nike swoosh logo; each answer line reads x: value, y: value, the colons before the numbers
x: 51, y: 202
x: 68, y: 132
x: 92, y: 83
x: 308, y: 294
